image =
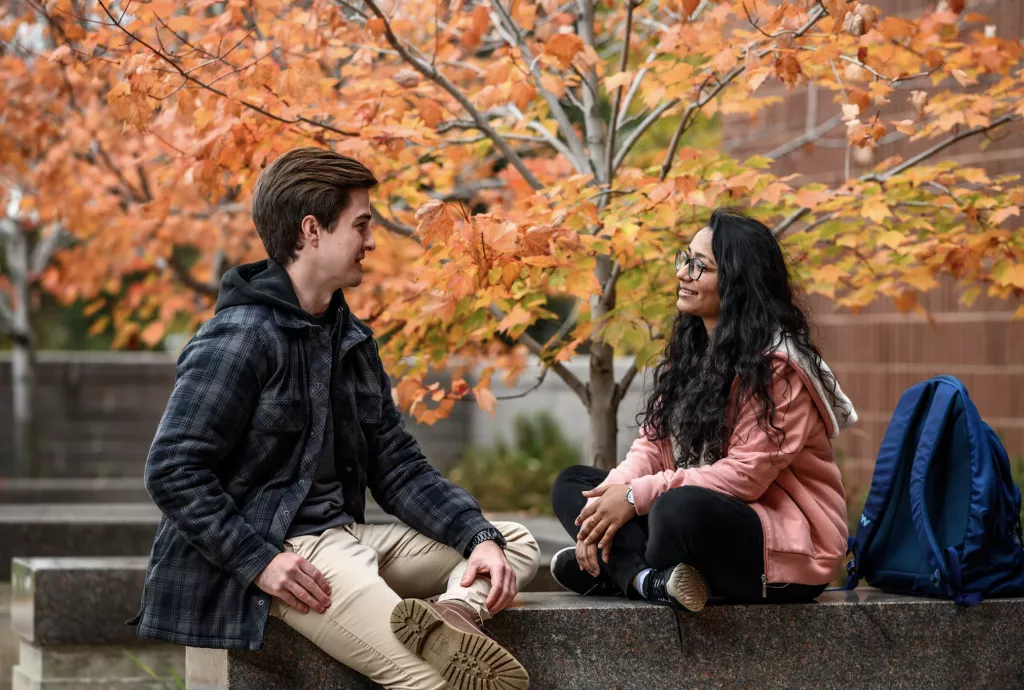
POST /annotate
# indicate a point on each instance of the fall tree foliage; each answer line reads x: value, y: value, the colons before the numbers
x: 526, y: 149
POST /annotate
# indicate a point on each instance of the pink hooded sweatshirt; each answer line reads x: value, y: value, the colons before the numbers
x: 797, y: 493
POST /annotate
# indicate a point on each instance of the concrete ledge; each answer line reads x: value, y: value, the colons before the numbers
x: 860, y: 639
x: 61, y: 530
x: 70, y: 614
x: 73, y: 490
x: 76, y: 601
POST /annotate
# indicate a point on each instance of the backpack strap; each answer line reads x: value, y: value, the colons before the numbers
x: 947, y: 572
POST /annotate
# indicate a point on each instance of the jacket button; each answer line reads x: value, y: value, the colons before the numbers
x: 261, y: 602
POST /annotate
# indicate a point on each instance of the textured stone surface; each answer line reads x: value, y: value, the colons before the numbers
x: 73, y: 490
x: 76, y: 600
x: 122, y: 529
x: 864, y: 639
x: 98, y: 666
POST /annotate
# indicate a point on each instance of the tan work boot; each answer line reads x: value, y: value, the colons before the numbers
x: 447, y: 636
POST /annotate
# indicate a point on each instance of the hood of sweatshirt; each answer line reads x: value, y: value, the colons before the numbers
x: 265, y: 282
x: 834, y: 405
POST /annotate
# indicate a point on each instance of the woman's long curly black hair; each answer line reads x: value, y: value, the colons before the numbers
x: 690, y: 402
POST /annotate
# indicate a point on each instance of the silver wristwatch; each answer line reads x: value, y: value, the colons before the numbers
x: 629, y: 496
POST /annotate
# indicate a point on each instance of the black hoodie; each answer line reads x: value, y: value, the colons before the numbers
x: 266, y: 282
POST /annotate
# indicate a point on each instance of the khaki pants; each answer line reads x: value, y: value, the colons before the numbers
x: 370, y: 569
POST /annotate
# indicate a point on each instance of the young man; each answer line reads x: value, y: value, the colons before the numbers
x: 280, y: 418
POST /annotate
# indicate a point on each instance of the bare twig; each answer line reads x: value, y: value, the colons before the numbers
x: 510, y: 31
x: 622, y: 387
x: 623, y: 64
x: 432, y: 73
x: 801, y: 141
x: 567, y: 376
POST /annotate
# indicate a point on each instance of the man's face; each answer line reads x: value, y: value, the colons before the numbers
x: 341, y: 251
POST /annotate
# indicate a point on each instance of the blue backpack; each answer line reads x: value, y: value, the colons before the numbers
x: 943, y: 515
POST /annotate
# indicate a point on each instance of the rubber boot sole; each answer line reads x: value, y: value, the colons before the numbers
x: 468, y: 661
x: 688, y: 587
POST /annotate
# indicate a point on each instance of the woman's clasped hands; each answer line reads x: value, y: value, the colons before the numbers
x: 598, y: 523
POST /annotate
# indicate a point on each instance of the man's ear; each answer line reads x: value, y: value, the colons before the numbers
x: 310, y: 231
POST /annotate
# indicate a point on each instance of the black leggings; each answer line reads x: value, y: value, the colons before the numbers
x: 719, y: 535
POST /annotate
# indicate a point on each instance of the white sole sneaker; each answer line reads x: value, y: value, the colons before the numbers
x: 688, y: 587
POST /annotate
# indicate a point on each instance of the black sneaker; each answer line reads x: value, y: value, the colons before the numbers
x: 569, y: 575
x: 680, y: 587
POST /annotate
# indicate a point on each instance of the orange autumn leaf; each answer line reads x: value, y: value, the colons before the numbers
x: 564, y: 48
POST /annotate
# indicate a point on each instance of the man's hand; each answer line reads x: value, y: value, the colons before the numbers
x: 601, y: 519
x: 294, y: 580
x: 490, y: 559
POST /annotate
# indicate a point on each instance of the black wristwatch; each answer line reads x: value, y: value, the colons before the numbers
x: 487, y: 534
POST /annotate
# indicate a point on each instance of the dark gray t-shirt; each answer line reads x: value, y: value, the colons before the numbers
x: 324, y: 507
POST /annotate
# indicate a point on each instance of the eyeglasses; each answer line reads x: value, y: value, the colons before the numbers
x: 694, y: 266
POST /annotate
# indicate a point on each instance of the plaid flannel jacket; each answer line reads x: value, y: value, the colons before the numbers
x: 235, y: 453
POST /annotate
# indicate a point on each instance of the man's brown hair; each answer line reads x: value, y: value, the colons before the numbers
x: 303, y: 182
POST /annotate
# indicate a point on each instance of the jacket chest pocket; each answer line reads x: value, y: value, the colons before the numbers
x: 275, y: 416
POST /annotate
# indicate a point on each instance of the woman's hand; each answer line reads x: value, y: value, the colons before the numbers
x: 586, y: 556
x: 600, y: 520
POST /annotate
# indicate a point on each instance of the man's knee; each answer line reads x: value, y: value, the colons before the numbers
x: 523, y: 549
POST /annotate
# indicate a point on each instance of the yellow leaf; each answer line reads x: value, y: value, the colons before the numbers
x: 828, y: 274
x: 876, y: 210
x: 485, y: 399
x: 920, y: 278
x: 1013, y: 277
x: 545, y: 261
x: 517, y: 317
x: 892, y: 239
x: 1002, y: 214
x: 1019, y: 314
x: 563, y: 47
x: 99, y: 325
x: 617, y: 80
x: 905, y: 127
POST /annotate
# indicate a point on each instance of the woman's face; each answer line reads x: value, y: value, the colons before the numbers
x: 699, y: 296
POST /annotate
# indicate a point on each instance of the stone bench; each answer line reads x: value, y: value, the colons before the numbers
x: 73, y: 490
x: 69, y: 615
x: 860, y: 639
x: 65, y: 530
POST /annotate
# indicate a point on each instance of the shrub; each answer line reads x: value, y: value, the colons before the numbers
x: 518, y: 476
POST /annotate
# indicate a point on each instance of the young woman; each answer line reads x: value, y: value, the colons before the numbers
x: 732, y: 488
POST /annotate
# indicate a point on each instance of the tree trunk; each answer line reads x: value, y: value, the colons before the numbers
x: 22, y: 361
x: 604, y: 429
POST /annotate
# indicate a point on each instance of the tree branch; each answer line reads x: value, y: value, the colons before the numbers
x: 431, y: 72
x: 622, y: 387
x: 392, y: 225
x: 190, y: 281
x: 623, y: 64
x: 188, y: 77
x: 515, y: 39
x: 801, y: 141
x: 534, y: 347
x: 45, y: 247
x: 594, y: 125
x: 919, y: 158
x: 815, y: 16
